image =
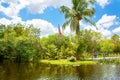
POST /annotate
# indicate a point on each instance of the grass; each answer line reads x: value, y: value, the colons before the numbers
x: 67, y: 62
x: 116, y: 61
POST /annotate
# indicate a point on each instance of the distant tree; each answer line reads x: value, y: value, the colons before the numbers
x: 106, y: 47
x: 20, y: 42
x: 115, y: 38
x: 116, y: 41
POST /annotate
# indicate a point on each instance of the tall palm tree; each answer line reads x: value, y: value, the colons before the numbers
x: 81, y: 10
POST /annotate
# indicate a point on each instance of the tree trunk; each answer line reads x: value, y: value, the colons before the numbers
x: 78, y: 38
x: 78, y: 29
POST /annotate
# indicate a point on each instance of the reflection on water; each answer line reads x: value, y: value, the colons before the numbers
x: 34, y: 71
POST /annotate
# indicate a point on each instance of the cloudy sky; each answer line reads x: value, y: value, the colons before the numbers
x: 45, y: 15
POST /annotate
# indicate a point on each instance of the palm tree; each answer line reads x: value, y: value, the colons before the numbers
x: 81, y: 10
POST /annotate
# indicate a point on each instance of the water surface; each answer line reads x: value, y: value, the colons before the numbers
x: 35, y: 71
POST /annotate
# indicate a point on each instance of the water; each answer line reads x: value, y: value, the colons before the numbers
x: 34, y: 71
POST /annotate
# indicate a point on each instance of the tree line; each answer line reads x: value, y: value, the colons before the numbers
x: 23, y: 43
x: 19, y: 42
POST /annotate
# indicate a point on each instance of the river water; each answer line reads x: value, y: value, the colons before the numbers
x: 35, y: 71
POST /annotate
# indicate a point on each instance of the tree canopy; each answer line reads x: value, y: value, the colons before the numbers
x: 81, y: 10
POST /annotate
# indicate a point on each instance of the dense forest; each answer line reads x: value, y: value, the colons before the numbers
x: 23, y: 43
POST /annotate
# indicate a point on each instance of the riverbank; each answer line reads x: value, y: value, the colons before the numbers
x: 67, y: 62
x: 87, y: 61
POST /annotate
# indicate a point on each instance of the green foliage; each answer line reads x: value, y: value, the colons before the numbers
x: 116, y: 41
x: 117, y: 61
x: 106, y: 46
x: 56, y: 47
x: 79, y: 11
x: 67, y: 62
x: 19, y: 42
x: 52, y: 50
x: 23, y: 43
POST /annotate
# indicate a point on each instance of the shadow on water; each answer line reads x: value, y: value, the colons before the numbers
x: 35, y: 71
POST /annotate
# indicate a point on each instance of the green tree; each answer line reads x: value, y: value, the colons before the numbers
x: 81, y: 10
x: 20, y: 42
x: 57, y: 44
x: 106, y: 47
x: 91, y: 40
x: 115, y: 38
x: 116, y: 41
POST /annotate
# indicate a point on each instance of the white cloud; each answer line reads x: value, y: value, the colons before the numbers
x: 103, y: 24
x: 103, y: 3
x: 37, y: 6
x: 67, y: 30
x: 9, y: 1
x: 4, y: 21
x: 105, y: 32
x: 15, y: 20
x: 88, y: 27
x: 116, y: 30
x: 106, y: 21
x: 14, y: 7
x: 46, y: 27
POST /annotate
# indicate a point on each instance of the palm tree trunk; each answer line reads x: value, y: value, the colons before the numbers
x: 78, y: 30
x: 78, y: 37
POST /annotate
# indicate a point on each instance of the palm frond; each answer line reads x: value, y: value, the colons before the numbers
x: 64, y: 9
x: 91, y: 22
x: 88, y: 12
x: 92, y: 1
x: 69, y: 14
x: 82, y: 5
x: 75, y: 3
x: 67, y: 11
x: 65, y: 24
x: 73, y: 24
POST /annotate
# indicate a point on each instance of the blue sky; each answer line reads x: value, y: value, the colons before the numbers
x: 45, y: 15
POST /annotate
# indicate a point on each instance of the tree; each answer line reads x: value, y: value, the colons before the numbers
x: 91, y: 40
x: 115, y: 39
x: 58, y: 47
x: 20, y: 43
x: 81, y: 10
x: 106, y: 46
